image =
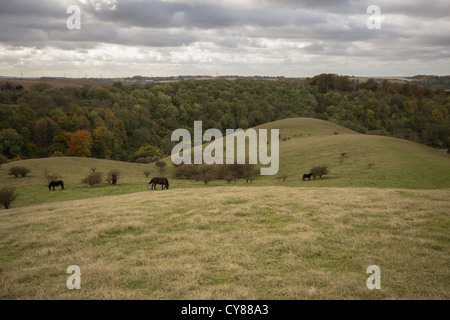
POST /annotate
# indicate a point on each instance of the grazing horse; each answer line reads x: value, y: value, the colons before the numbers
x: 162, y: 181
x: 55, y: 184
x: 307, y: 176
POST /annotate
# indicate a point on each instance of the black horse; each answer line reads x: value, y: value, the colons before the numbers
x: 307, y: 176
x: 162, y: 181
x: 55, y: 184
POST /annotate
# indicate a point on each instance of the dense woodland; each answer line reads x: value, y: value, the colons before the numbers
x: 134, y: 122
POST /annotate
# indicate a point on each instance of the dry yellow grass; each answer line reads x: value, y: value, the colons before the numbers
x: 231, y: 243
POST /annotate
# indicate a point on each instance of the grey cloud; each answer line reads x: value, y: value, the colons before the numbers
x: 170, y: 15
x: 412, y: 29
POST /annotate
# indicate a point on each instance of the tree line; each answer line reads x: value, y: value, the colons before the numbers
x: 134, y: 122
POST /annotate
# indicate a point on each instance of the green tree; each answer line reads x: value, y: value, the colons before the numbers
x: 45, y: 130
x: 10, y: 142
x: 104, y: 144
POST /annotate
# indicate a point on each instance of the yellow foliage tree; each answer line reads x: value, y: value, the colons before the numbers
x: 80, y: 143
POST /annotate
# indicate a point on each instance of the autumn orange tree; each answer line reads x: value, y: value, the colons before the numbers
x: 80, y: 143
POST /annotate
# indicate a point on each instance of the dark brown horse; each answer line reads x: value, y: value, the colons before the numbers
x: 55, y: 184
x: 162, y: 181
x: 307, y: 176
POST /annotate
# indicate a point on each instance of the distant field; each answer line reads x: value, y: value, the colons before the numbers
x: 59, y: 83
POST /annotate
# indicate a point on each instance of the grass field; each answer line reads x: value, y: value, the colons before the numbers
x: 266, y: 240
x: 395, y: 164
x: 231, y: 243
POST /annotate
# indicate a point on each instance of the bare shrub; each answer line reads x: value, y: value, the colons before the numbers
x: 319, y: 171
x: 146, y: 173
x: 19, y: 171
x: 7, y: 196
x: 93, y: 178
x: 161, y: 166
x: 205, y: 172
x: 112, y: 176
x: 229, y: 177
x: 51, y: 177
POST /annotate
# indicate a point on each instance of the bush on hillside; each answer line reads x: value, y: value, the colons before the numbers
x: 51, y: 177
x: 319, y: 171
x: 18, y: 171
x: 161, y: 166
x: 146, y: 173
x: 93, y: 178
x: 7, y: 196
x: 111, y: 173
x: 205, y: 172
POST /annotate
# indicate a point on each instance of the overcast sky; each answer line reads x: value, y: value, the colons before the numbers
x: 293, y: 38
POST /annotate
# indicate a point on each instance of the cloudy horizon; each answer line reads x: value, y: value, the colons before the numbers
x: 288, y: 38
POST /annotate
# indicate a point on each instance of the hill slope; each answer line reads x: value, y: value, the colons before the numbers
x: 369, y: 161
x: 304, y: 142
x: 230, y: 243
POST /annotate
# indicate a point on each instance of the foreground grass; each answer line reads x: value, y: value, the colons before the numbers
x: 231, y: 243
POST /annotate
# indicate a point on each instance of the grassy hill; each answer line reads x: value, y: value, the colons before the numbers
x: 266, y: 240
x: 369, y: 161
x: 394, y: 163
x: 231, y: 243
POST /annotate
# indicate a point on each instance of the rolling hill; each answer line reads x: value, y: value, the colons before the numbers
x: 266, y: 240
x: 357, y: 160
x: 369, y: 161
